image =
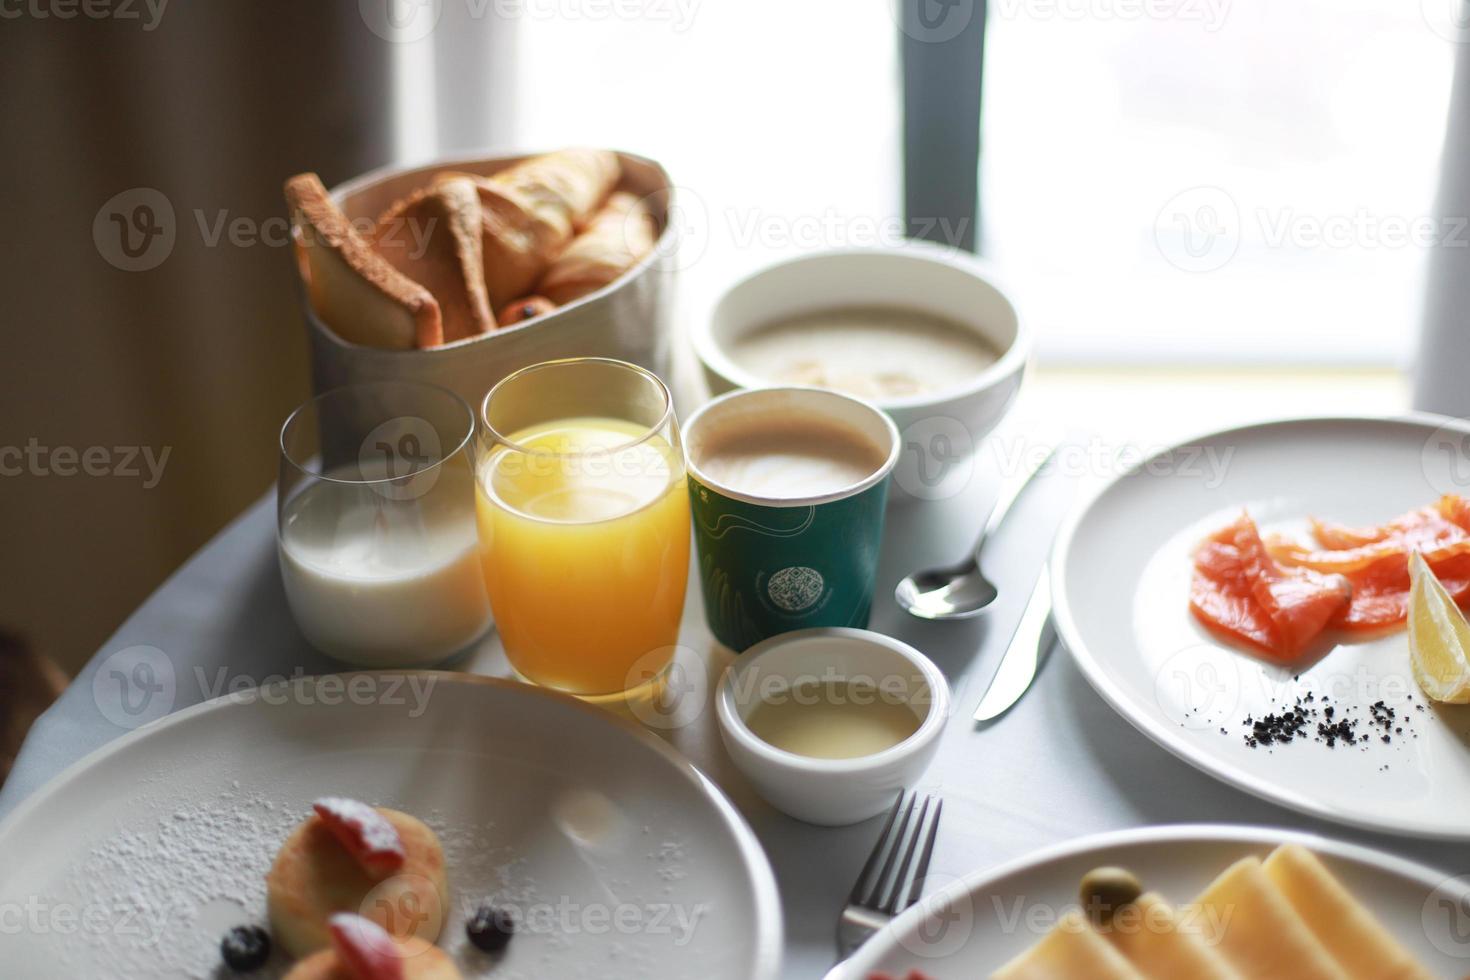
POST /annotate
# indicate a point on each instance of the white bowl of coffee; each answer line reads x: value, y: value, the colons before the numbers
x: 922, y: 332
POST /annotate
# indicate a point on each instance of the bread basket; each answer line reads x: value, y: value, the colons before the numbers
x: 628, y: 319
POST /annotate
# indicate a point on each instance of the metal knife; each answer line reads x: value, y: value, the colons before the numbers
x: 1029, y: 644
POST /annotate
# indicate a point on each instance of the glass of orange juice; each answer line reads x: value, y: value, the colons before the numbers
x: 584, y: 524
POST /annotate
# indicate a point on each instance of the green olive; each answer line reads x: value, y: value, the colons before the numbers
x: 1106, y: 890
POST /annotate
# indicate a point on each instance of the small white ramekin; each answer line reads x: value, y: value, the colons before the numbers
x: 831, y: 792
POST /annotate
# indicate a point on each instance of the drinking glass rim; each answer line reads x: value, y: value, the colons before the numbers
x: 314, y: 401
x: 500, y: 439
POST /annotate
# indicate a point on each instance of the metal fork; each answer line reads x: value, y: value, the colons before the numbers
x: 895, y: 871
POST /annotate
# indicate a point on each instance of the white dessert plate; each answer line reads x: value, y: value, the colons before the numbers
x: 1120, y: 583
x: 980, y: 922
x: 616, y: 855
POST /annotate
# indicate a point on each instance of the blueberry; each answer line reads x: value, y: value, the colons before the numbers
x: 245, y: 948
x: 490, y: 928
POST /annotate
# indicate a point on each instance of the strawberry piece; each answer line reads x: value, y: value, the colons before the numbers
x: 363, y: 946
x: 372, y: 841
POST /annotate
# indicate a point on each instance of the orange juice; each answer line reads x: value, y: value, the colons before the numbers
x: 584, y: 538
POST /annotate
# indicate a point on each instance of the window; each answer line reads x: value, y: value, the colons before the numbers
x: 779, y: 121
x: 1220, y: 181
x: 1227, y: 180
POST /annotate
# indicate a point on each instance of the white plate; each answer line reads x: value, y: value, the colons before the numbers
x: 620, y: 856
x: 1120, y: 586
x: 980, y: 922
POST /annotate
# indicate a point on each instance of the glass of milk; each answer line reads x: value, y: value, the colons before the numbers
x: 376, y: 524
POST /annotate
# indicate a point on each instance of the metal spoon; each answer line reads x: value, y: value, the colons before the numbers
x: 963, y: 590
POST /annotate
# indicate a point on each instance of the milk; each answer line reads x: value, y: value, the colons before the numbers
x: 381, y: 582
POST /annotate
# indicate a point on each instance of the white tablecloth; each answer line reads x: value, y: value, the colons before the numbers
x: 1060, y: 765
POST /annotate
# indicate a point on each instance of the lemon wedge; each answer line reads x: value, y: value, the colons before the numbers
x: 1439, y: 637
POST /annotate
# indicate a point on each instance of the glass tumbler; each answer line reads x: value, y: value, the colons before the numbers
x: 584, y: 524
x: 376, y: 524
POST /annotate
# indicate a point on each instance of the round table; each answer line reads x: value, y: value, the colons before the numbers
x: 1059, y: 765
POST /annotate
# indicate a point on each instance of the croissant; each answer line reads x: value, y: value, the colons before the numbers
x: 619, y: 235
x: 355, y: 291
x: 433, y: 237
x: 531, y: 211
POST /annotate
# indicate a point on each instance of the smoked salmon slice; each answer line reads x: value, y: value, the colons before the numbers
x: 1381, y: 590
x: 1455, y: 508
x: 1240, y: 590
x: 1338, y: 537
x: 1376, y: 560
x: 1425, y: 530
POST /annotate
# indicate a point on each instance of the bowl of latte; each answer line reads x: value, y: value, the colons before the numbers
x: 920, y: 331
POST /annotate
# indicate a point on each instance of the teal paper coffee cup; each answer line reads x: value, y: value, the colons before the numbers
x: 788, y: 488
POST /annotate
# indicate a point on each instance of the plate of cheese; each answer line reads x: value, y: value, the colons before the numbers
x: 1204, y: 902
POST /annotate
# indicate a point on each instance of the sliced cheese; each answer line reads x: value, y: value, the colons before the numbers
x: 1356, y: 940
x: 1071, y: 951
x: 1257, y: 931
x: 1163, y: 945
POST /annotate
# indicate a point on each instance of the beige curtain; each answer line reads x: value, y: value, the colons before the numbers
x: 198, y: 355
